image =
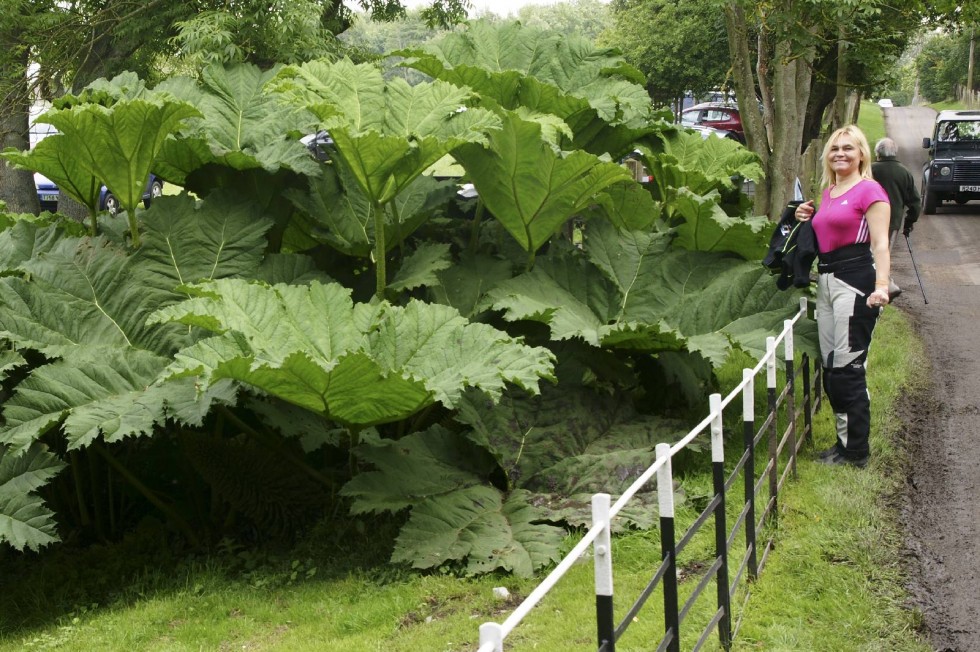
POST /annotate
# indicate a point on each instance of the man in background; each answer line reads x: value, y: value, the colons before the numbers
x: 900, y: 186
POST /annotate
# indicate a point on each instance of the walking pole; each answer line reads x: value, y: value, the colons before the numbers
x: 916, y: 269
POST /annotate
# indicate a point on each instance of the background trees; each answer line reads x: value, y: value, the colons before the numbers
x: 679, y: 45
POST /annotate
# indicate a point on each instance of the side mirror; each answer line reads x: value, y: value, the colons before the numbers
x: 926, y: 143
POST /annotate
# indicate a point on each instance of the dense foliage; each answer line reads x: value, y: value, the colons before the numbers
x: 941, y: 66
x: 287, y: 336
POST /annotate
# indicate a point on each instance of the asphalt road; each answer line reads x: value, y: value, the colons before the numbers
x: 942, y: 507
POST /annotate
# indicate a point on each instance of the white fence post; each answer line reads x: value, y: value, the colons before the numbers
x: 602, y: 554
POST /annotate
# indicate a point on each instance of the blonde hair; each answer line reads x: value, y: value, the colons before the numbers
x: 829, y: 177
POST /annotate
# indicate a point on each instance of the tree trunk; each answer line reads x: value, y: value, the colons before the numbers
x: 855, y: 108
x: 17, y: 187
x: 839, y: 116
x: 753, y: 124
x: 969, y: 65
x: 784, y: 107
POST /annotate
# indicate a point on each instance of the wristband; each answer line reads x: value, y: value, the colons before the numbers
x: 881, y: 284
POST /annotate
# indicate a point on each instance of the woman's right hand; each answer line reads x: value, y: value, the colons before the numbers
x: 804, y: 211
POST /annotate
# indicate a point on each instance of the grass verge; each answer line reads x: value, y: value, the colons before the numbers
x: 833, y: 582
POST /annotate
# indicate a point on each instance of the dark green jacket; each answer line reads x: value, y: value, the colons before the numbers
x: 900, y: 186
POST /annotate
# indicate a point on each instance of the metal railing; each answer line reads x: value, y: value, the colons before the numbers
x: 781, y: 447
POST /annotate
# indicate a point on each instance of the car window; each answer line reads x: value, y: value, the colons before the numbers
x: 690, y: 117
x: 958, y: 131
x: 716, y: 115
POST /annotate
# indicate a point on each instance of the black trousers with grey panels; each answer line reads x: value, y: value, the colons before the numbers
x: 845, y: 324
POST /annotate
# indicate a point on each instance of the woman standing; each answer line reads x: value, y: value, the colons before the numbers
x: 851, y: 226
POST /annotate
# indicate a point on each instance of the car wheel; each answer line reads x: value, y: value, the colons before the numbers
x: 156, y: 189
x: 929, y: 202
x: 111, y: 204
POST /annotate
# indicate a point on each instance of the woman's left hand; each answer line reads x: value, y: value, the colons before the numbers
x: 878, y: 298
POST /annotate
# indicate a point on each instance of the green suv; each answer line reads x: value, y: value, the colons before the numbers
x: 953, y: 170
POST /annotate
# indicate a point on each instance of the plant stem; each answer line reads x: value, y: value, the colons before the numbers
x: 83, y: 514
x: 134, y: 228
x: 97, y: 497
x: 147, y: 493
x: 475, y: 226
x: 379, y: 250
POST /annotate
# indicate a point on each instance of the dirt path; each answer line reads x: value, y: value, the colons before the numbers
x: 942, y: 509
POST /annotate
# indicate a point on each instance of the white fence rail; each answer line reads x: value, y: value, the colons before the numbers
x: 493, y: 635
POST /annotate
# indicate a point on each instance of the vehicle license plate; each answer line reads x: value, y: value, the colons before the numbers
x: 969, y: 188
x: 53, y: 197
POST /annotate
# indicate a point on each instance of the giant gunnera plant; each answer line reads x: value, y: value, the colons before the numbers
x: 464, y: 312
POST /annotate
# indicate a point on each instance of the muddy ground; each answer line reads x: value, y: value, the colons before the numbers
x: 942, y: 501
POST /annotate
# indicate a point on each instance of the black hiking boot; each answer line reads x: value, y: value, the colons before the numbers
x: 838, y: 459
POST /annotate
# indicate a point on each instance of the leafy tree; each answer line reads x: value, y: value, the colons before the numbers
x: 796, y: 57
x: 586, y: 17
x: 942, y: 66
x: 679, y: 46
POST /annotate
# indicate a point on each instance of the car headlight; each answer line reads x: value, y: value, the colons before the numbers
x: 945, y: 171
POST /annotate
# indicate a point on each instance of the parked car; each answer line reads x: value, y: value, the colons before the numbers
x: 706, y: 132
x: 952, y: 172
x: 716, y: 115
x: 885, y: 103
x: 47, y: 194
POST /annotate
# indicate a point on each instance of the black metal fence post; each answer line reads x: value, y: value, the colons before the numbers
x: 602, y: 554
x: 668, y: 551
x: 721, y: 527
x: 748, y: 431
x: 807, y: 400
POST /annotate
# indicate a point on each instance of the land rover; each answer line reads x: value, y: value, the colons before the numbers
x: 953, y: 170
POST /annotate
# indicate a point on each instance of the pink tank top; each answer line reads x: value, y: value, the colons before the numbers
x: 840, y: 220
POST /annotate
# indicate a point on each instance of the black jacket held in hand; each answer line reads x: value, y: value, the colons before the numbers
x: 792, y: 250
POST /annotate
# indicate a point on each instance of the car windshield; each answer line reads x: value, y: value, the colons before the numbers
x: 689, y: 118
x: 958, y: 131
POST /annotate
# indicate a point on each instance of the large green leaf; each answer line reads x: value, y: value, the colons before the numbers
x: 111, y: 394
x: 242, y: 127
x: 706, y: 227
x: 62, y: 165
x: 627, y: 290
x: 408, y: 470
x: 531, y: 188
x: 189, y: 241
x: 484, y: 527
x: 593, y: 90
x: 83, y: 293
x: 717, y: 159
x: 420, y: 268
x: 362, y: 365
x: 386, y: 133
x: 464, y: 285
x: 119, y: 145
x: 24, y: 520
x: 25, y: 240
x: 339, y: 214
